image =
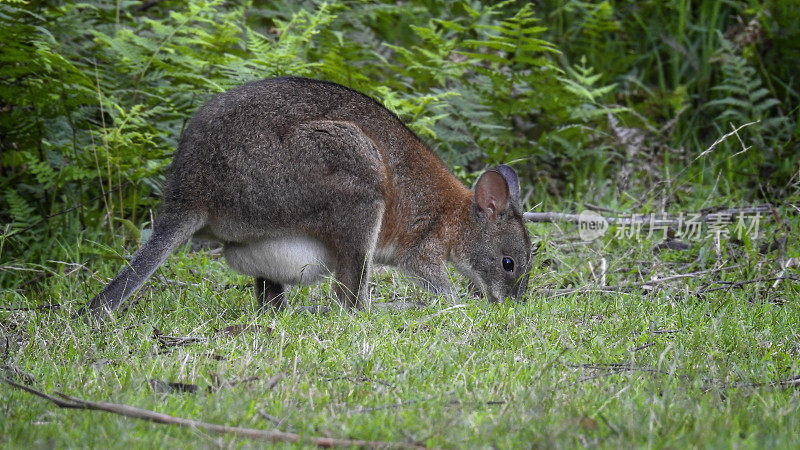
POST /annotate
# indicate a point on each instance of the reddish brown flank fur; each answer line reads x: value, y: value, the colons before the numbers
x: 446, y: 194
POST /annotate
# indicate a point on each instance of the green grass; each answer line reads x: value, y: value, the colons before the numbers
x: 662, y: 369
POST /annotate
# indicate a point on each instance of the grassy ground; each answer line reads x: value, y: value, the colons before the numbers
x: 683, y: 365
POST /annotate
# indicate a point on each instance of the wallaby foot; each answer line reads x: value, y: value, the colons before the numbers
x: 270, y: 295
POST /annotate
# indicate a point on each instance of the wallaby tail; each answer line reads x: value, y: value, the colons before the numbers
x: 169, y: 232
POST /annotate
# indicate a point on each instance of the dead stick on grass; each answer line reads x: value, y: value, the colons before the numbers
x: 737, y: 284
x: 626, y: 289
x: 553, y: 293
x: 688, y: 275
x: 790, y: 382
x: 67, y: 401
x: 631, y: 287
x: 648, y: 220
x: 31, y: 308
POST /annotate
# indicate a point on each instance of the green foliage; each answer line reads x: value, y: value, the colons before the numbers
x: 740, y: 98
x: 22, y: 214
x: 692, y: 69
x: 581, y: 81
x: 94, y: 95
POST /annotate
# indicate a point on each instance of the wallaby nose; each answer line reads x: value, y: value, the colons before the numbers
x: 520, y: 287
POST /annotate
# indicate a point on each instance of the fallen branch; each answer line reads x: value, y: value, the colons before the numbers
x: 642, y: 347
x: 175, y: 341
x: 70, y: 402
x: 274, y: 380
x: 278, y: 422
x: 14, y: 372
x: 671, y: 278
x: 605, y: 369
x: 553, y: 293
x: 648, y: 220
x: 168, y: 387
x: 550, y: 217
x: 737, y: 284
x: 42, y: 307
x: 651, y: 285
x: 790, y: 382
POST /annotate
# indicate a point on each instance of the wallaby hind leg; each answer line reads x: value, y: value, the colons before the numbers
x: 169, y: 232
x: 270, y: 294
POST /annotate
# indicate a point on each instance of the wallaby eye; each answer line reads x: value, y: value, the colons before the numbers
x: 508, y: 264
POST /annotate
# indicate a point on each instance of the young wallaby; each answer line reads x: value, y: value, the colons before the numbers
x: 300, y: 178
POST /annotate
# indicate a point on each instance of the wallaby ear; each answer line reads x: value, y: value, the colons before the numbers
x: 512, y: 180
x: 491, y: 193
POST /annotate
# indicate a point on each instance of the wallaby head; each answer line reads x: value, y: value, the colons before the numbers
x: 299, y: 179
x: 493, y: 247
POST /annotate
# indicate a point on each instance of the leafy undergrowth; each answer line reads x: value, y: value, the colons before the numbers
x: 677, y: 363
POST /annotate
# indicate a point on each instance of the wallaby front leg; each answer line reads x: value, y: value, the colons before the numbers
x: 352, y: 282
x: 434, y: 279
x: 439, y: 286
x: 355, y: 246
x: 270, y: 294
x: 354, y: 261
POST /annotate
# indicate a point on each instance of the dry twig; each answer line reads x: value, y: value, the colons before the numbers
x: 175, y: 341
x: 648, y: 220
x: 42, y: 307
x: 70, y: 402
x: 605, y: 369
x: 790, y: 382
x: 737, y: 284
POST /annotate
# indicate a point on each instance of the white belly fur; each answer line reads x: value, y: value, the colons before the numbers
x: 285, y: 260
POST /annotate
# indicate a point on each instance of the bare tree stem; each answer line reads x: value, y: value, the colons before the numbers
x: 646, y: 220
x: 68, y: 401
